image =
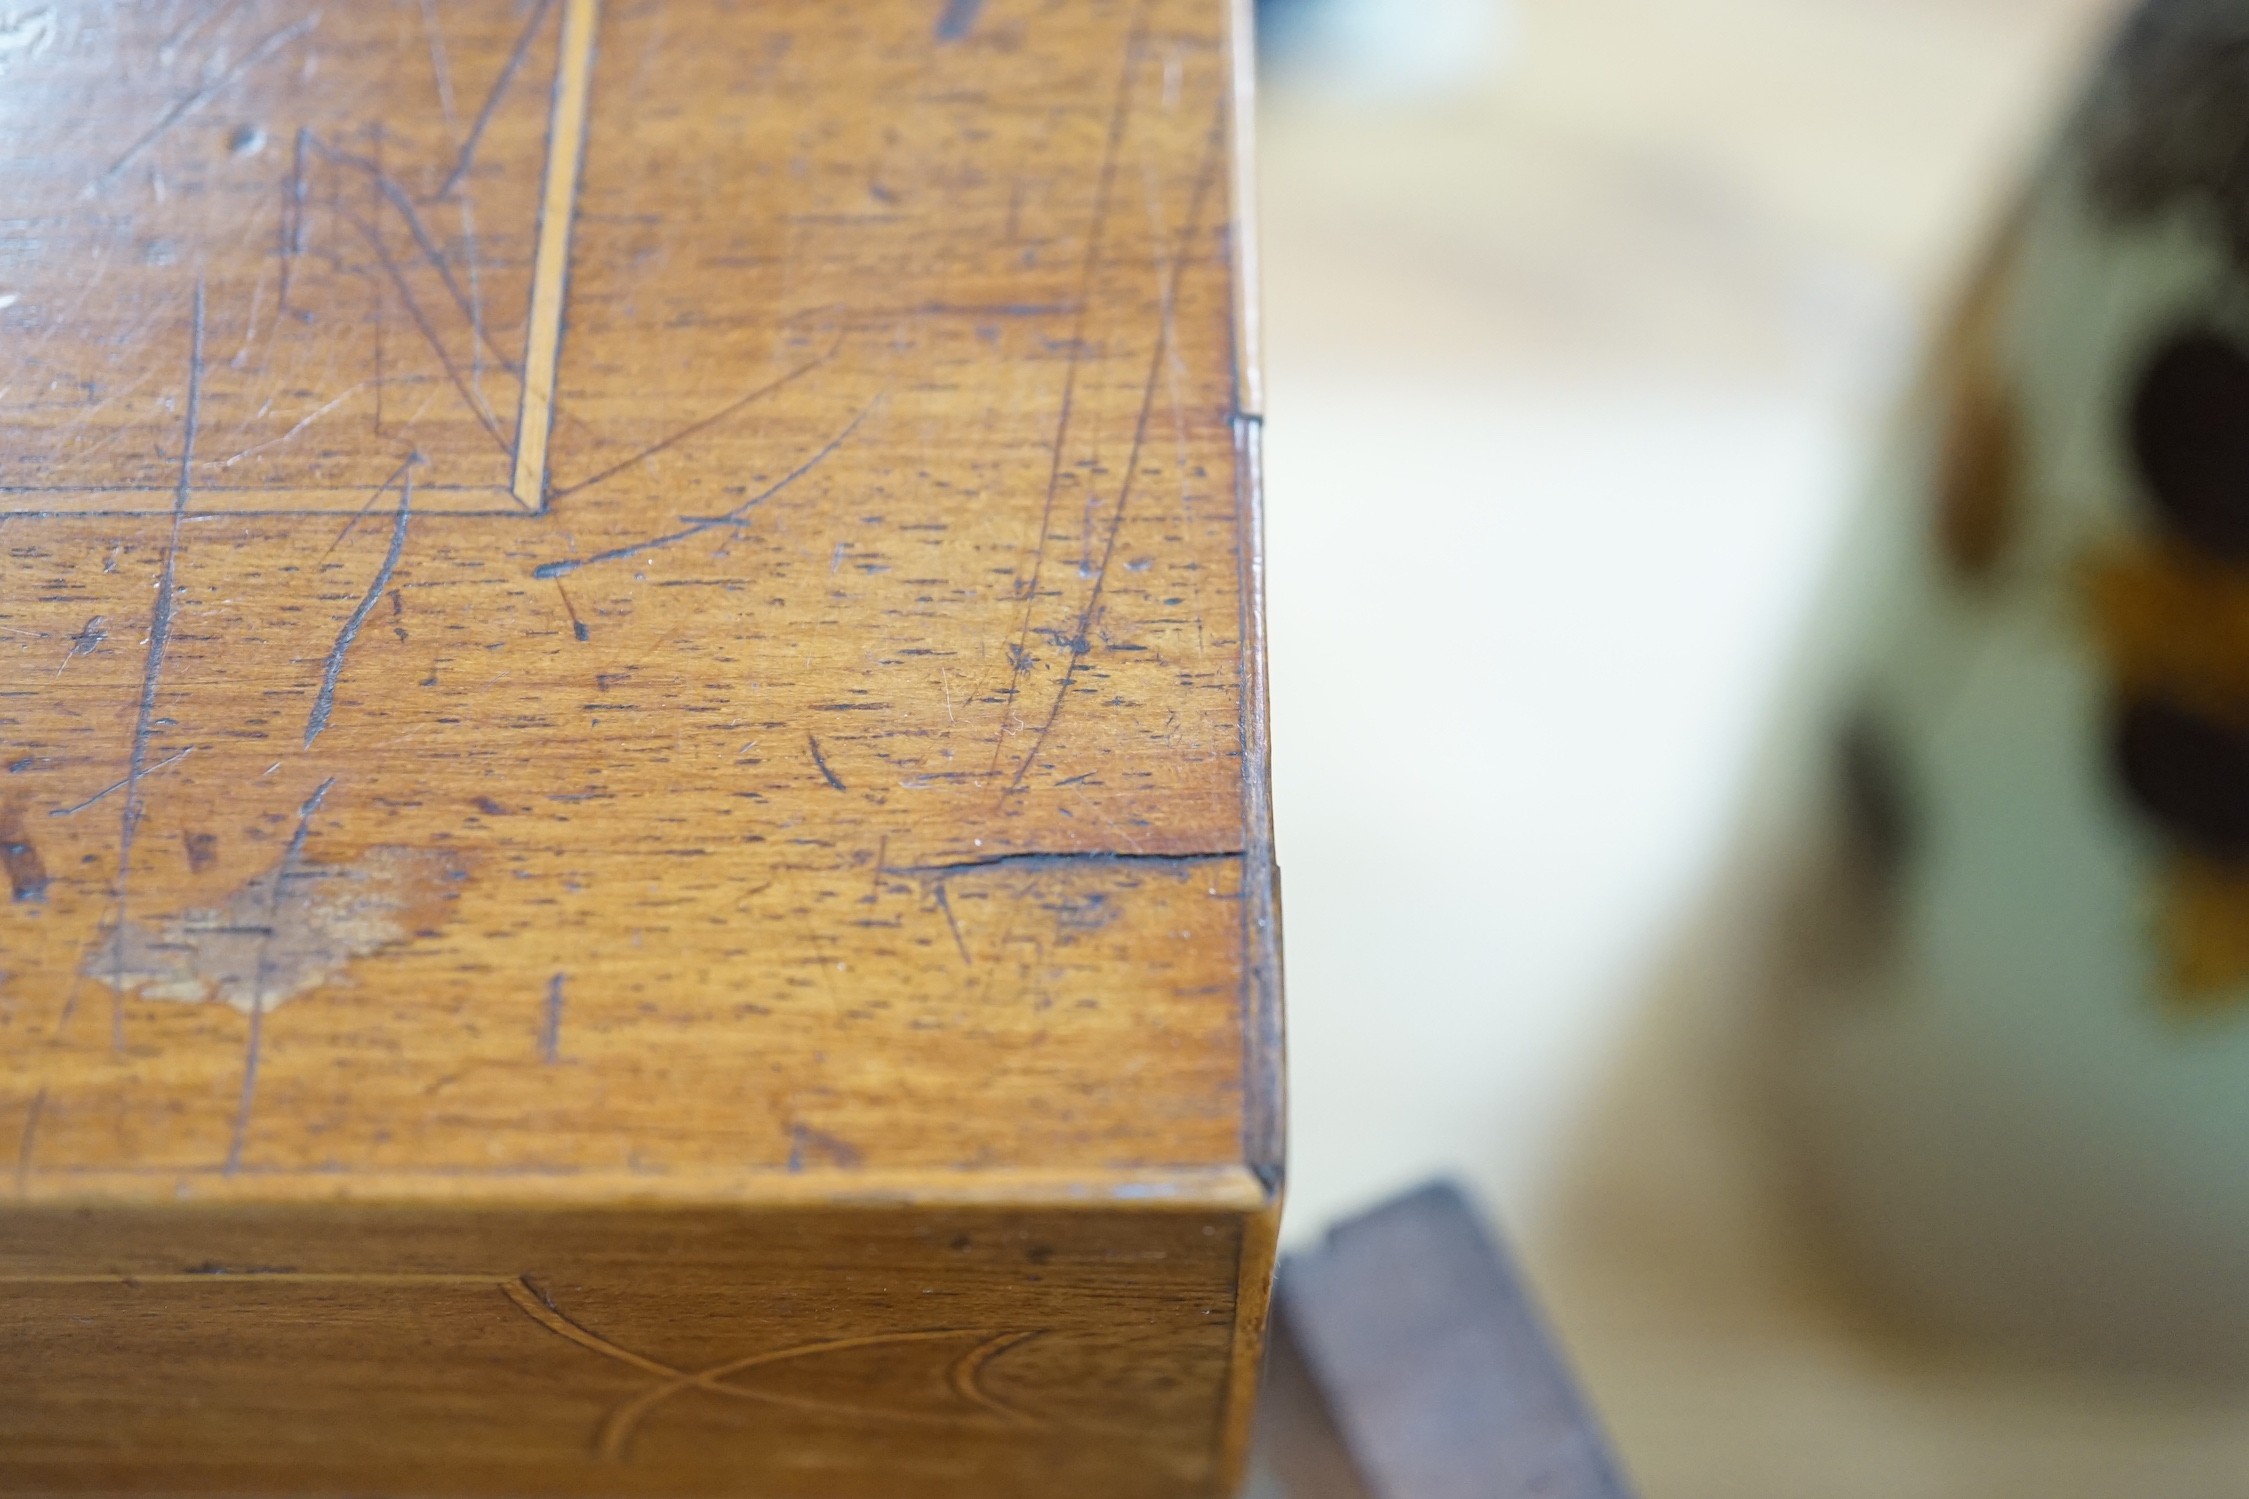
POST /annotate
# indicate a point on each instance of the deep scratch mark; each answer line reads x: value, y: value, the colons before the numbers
x: 75, y: 808
x: 694, y: 428
x: 1120, y: 114
x: 577, y: 626
x: 1169, y: 291
x: 958, y: 20
x: 550, y: 1024
x: 701, y: 524
x: 492, y: 99
x: 201, y: 96
x: 821, y: 760
x: 945, y: 904
x: 254, y: 1043
x: 152, y: 667
x: 324, y: 703
x: 1043, y: 860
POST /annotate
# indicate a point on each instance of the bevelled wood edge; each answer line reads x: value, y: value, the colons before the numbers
x: 1253, y: 1302
x: 1249, y: 341
x: 1264, y: 1032
x: 1185, y: 1189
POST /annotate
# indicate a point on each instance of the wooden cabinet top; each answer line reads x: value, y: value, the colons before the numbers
x: 604, y: 596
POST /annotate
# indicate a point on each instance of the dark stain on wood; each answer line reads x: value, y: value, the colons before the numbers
x: 27, y: 872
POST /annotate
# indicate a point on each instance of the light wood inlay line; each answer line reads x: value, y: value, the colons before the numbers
x: 550, y: 270
x: 253, y: 1277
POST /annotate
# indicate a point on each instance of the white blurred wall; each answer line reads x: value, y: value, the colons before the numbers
x: 1576, y: 344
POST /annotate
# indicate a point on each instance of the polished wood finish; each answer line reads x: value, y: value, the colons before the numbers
x: 634, y: 790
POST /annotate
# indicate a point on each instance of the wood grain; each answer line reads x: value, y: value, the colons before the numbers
x: 642, y: 617
x: 596, y: 1351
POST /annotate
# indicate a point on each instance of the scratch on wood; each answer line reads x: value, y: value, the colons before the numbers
x: 296, y: 431
x: 440, y: 66
x: 945, y: 904
x: 493, y: 96
x: 1169, y: 288
x: 479, y: 339
x: 253, y: 1043
x: 75, y: 808
x: 1120, y: 113
x: 152, y: 667
x: 382, y: 303
x: 699, y: 525
x: 821, y: 760
x: 550, y: 1024
x: 201, y: 96
x: 293, y: 237
x: 387, y: 188
x: 421, y: 322
x: 703, y: 424
x: 406, y: 297
x: 1040, y: 860
x: 325, y: 701
x: 1175, y: 373
x: 578, y: 628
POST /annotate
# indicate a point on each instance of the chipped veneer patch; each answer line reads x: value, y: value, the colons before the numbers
x: 283, y: 933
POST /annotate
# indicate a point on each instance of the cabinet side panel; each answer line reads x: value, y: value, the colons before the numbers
x: 825, y: 1353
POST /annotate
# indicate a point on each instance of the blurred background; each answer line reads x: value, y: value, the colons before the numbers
x: 1582, y: 320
